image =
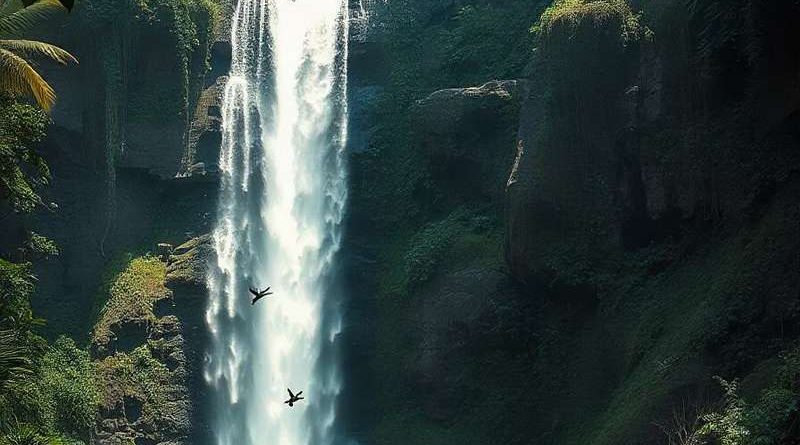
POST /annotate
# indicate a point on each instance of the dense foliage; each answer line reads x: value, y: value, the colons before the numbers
x: 17, y: 73
x: 770, y: 417
x: 22, y: 169
x: 46, y: 392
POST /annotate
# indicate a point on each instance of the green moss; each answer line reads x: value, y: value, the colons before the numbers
x: 709, y: 306
x: 566, y: 17
x: 428, y: 248
x: 140, y: 376
x: 132, y: 296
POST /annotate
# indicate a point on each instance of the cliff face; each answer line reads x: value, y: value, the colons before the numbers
x: 568, y: 257
x: 563, y: 256
x: 657, y: 188
x: 148, y: 348
x: 123, y: 151
x: 119, y: 137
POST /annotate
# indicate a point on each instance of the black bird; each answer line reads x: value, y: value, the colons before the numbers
x: 259, y: 294
x: 293, y: 398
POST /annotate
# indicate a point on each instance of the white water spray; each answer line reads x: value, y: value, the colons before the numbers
x: 281, y: 202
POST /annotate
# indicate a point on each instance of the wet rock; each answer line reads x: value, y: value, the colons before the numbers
x: 189, y: 263
x: 469, y: 134
x: 452, y: 306
x: 164, y: 250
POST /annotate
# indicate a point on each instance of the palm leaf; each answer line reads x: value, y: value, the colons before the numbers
x: 35, y: 48
x: 15, y: 362
x: 17, y: 76
x: 26, y: 18
x: 66, y: 3
x: 9, y: 6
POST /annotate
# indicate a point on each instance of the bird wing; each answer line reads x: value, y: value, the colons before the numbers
x: 253, y: 291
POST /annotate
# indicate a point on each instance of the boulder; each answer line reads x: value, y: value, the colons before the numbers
x: 469, y: 134
x: 189, y: 261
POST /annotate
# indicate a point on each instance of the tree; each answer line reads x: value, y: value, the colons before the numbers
x: 17, y: 75
x: 22, y: 168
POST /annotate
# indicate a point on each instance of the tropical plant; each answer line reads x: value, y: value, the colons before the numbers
x: 17, y: 75
x: 26, y: 434
x: 15, y: 363
x: 68, y: 393
x: 22, y: 168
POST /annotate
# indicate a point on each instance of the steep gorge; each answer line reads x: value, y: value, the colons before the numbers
x: 581, y: 247
x: 554, y: 239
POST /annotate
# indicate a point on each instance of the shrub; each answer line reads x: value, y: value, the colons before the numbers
x: 67, y: 382
x: 769, y: 420
x: 22, y: 169
x: 567, y: 17
x: 428, y: 248
x: 727, y: 426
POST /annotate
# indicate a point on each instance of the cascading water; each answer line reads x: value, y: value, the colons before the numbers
x: 281, y: 202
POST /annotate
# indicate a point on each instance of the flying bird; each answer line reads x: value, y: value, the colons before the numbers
x: 259, y: 294
x: 293, y: 398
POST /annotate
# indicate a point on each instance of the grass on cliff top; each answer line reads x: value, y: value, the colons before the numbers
x: 569, y: 15
x: 132, y: 295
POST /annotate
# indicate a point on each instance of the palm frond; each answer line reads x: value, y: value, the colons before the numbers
x: 24, y: 19
x: 9, y: 6
x: 67, y: 3
x: 36, y: 48
x: 18, y: 77
x: 15, y: 362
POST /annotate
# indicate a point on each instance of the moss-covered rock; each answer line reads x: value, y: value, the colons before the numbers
x: 650, y: 230
x: 131, y: 300
x: 142, y: 367
x: 189, y: 263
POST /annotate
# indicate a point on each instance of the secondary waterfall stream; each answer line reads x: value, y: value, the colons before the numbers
x: 281, y: 202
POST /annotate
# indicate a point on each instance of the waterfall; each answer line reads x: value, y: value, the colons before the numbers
x: 282, y: 196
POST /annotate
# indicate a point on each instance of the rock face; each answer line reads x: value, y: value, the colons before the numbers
x: 185, y: 277
x: 647, y: 194
x: 188, y: 263
x: 118, y: 138
x: 205, y: 133
x: 628, y: 187
x: 149, y: 349
x: 636, y: 158
x: 463, y: 132
x: 124, y: 119
x: 452, y: 316
x: 141, y: 362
